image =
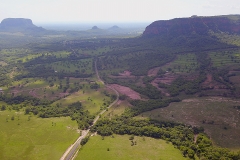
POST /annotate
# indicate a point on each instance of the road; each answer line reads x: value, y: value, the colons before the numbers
x: 71, y: 152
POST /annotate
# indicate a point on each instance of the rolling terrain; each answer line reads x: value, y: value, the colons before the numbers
x: 178, y: 82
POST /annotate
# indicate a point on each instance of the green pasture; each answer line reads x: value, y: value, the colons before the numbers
x: 26, y: 137
x: 82, y: 66
x: 27, y: 57
x: 119, y: 147
x: 117, y: 109
x: 15, y: 54
x: 217, y: 115
x: 42, y: 88
x: 225, y: 58
x: 96, y: 51
x: 92, y: 100
x: 232, y: 39
x: 60, y: 54
x: 184, y: 63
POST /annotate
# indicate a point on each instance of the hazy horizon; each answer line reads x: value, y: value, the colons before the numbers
x: 56, y: 11
x: 88, y: 25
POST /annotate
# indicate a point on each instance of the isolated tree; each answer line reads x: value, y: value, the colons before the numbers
x: 3, y: 108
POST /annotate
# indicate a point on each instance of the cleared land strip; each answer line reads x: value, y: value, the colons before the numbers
x: 72, y: 150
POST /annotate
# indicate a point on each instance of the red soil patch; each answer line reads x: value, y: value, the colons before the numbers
x: 119, y: 102
x: 126, y: 90
x: 123, y: 77
x: 33, y: 93
x: 212, y: 84
x: 208, y: 80
x: 63, y: 94
x: 125, y: 73
x: 153, y: 71
x: 235, y: 79
x: 163, y: 90
x: 167, y: 78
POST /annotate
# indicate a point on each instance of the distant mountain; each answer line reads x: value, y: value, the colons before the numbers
x: 114, y: 27
x: 194, y: 24
x: 19, y: 25
x: 95, y: 27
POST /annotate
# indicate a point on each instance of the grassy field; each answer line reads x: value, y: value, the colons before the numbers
x: 225, y: 58
x: 120, y: 148
x: 117, y: 109
x: 184, y: 63
x: 83, y: 66
x: 217, y: 115
x: 29, y: 138
x: 92, y: 100
x: 96, y: 51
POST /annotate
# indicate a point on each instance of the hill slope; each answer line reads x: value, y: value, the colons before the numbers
x: 19, y: 25
x: 199, y: 25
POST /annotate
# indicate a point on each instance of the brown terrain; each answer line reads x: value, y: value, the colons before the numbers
x: 153, y: 71
x: 210, y: 83
x: 167, y: 78
x: 123, y: 75
x: 126, y: 90
x: 34, y: 92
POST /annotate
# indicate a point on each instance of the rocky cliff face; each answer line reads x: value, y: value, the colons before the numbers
x: 18, y: 25
x: 199, y: 25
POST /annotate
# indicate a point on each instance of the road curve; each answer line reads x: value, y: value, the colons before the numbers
x: 72, y: 150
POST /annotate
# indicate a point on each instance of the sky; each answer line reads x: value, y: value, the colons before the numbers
x: 78, y: 11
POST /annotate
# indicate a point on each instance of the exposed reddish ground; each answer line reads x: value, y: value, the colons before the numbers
x: 212, y: 84
x: 153, y: 71
x: 167, y: 78
x: 125, y: 73
x: 33, y: 93
x: 209, y: 79
x: 127, y: 91
x: 164, y: 91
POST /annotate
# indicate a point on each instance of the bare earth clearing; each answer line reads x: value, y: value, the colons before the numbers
x: 153, y: 71
x: 211, y: 83
x: 163, y: 90
x: 126, y: 90
x: 167, y: 78
x: 34, y: 92
x: 125, y: 74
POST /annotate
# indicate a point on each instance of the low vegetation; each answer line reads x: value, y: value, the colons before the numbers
x: 123, y: 147
x: 28, y: 137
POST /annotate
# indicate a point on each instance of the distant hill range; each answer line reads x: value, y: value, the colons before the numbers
x: 19, y: 25
x: 194, y: 24
x: 95, y: 27
x: 114, y: 27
